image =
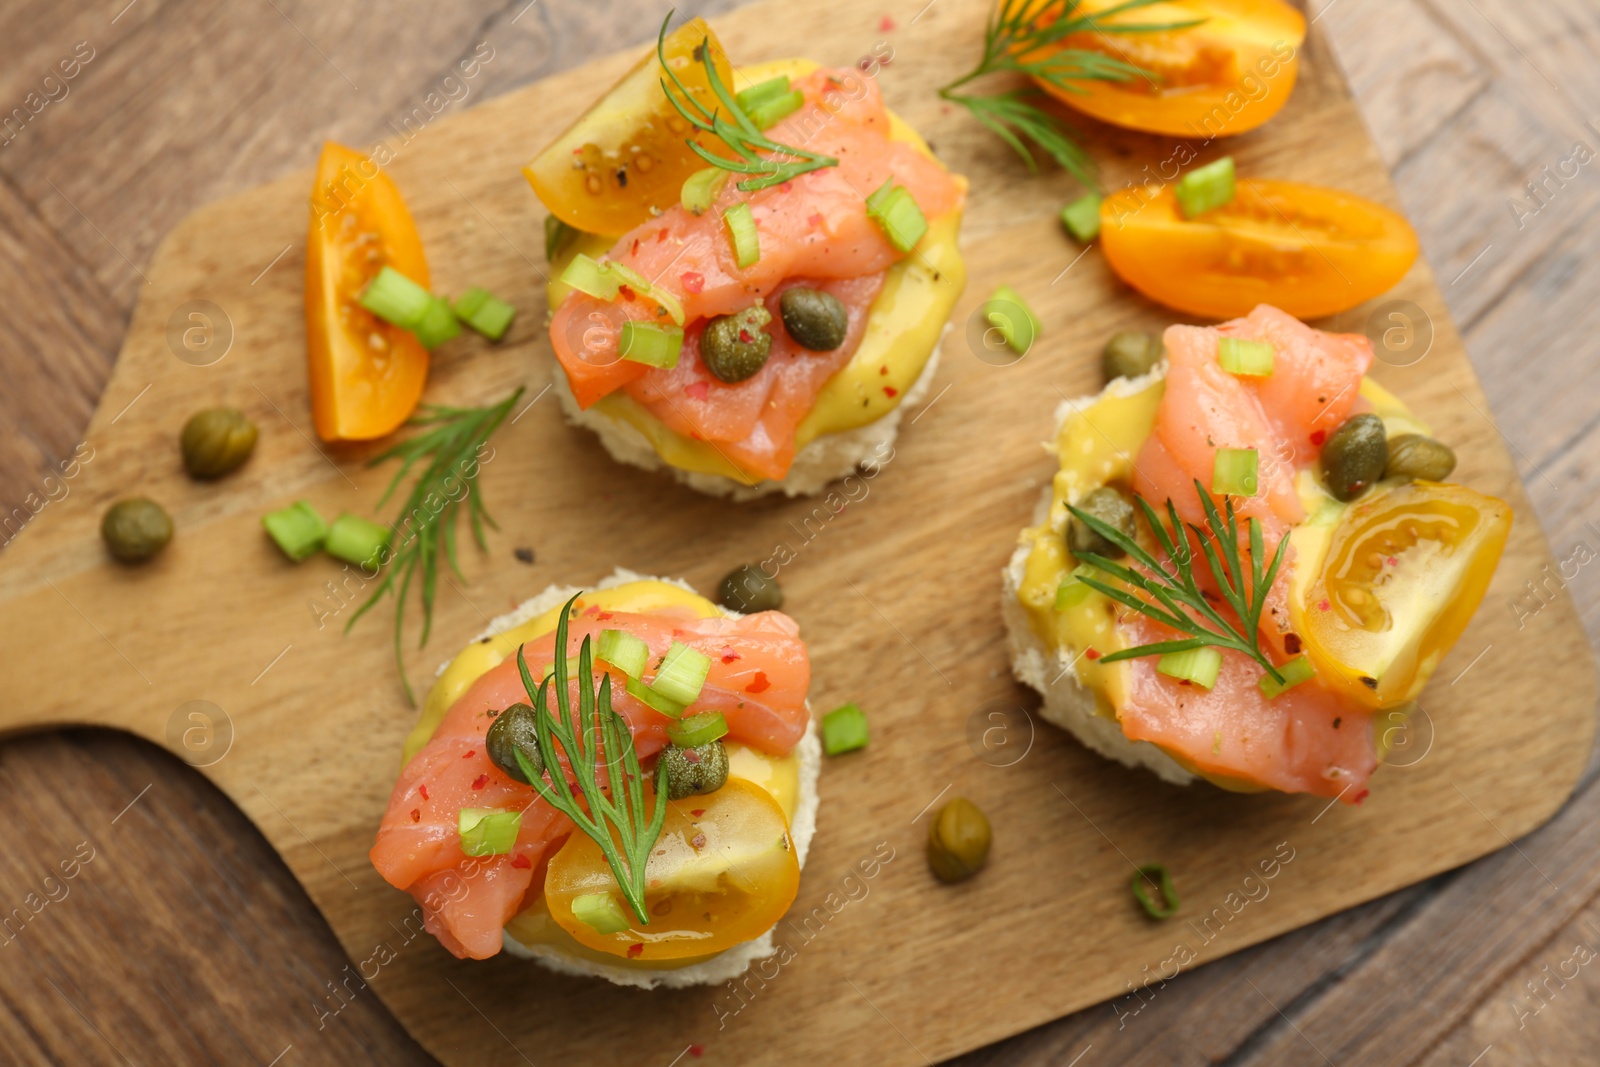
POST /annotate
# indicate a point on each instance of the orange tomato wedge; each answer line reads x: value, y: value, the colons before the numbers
x: 366, y: 374
x: 1308, y: 250
x: 626, y: 159
x: 1228, y: 74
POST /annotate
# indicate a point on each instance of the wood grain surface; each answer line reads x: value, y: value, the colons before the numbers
x: 180, y: 938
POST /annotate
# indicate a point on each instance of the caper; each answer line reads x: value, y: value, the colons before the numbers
x: 749, y: 589
x: 136, y: 529
x: 1354, y: 456
x: 1132, y: 354
x: 702, y: 769
x: 958, y: 841
x: 512, y: 732
x: 1414, y: 456
x: 816, y: 320
x: 1110, y: 507
x: 735, y: 347
x: 216, y: 441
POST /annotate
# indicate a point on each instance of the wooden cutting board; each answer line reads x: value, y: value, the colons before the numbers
x: 216, y: 650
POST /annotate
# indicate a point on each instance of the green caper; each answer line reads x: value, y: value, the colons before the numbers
x: 958, y: 841
x: 136, y: 529
x: 1414, y: 456
x: 1111, y: 507
x: 702, y: 769
x: 512, y: 732
x: 816, y: 320
x: 1354, y: 456
x: 734, y: 347
x: 1132, y: 354
x: 216, y: 441
x: 748, y: 589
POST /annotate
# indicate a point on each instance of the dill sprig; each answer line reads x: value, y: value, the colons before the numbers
x: 741, y: 135
x: 1177, y: 591
x: 613, y: 815
x: 1020, y: 38
x: 425, y: 528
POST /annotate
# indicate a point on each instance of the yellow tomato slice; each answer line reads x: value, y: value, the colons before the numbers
x: 366, y: 375
x: 723, y: 872
x: 1308, y: 250
x: 627, y: 154
x: 1227, y: 75
x: 1404, y: 572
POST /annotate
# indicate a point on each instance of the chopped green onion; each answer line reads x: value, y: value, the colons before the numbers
x: 297, y: 529
x: 1072, y: 592
x: 1007, y: 313
x: 774, y: 111
x: 600, y: 912
x: 701, y: 189
x: 396, y: 299
x: 682, y: 674
x: 590, y: 278
x: 844, y: 729
x: 742, y: 232
x: 1252, y: 358
x: 557, y: 236
x: 698, y: 730
x: 622, y: 650
x: 487, y: 832
x: 572, y: 668
x: 1082, y: 218
x: 357, y: 540
x: 650, y: 698
x: 1206, y: 187
x: 654, y: 346
x: 762, y: 92
x: 1294, y: 672
x: 896, y: 212
x: 1198, y: 665
x: 1157, y: 873
x: 641, y: 285
x: 439, y: 324
x: 485, y: 312
x: 1234, y: 471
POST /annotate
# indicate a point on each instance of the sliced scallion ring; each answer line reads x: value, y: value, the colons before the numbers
x: 1206, y: 188
x: 487, y: 832
x: 761, y: 92
x: 896, y: 212
x: 1250, y: 358
x: 590, y: 277
x: 698, y: 730
x: 682, y: 674
x: 1297, y: 670
x: 624, y: 651
x: 396, y: 299
x: 652, y: 699
x: 742, y: 232
x: 1235, y: 472
x: 600, y: 912
x: 1155, y: 873
x: 654, y: 346
x: 701, y: 189
x: 1198, y: 665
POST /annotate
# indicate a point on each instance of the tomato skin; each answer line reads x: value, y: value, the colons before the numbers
x: 1308, y: 250
x: 1224, y: 77
x: 366, y: 375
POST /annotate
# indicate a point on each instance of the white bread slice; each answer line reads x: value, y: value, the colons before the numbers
x: 735, y: 961
x: 1051, y: 671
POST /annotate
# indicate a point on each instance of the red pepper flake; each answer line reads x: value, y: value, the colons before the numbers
x: 1359, y: 797
x: 696, y: 1050
x: 691, y: 755
x: 884, y: 369
x: 1091, y: 653
x: 635, y: 950
x: 1323, y: 606
x: 697, y: 812
x: 759, y: 684
x: 1393, y: 562
x: 1318, y: 437
x: 470, y: 753
x: 729, y: 655
x: 693, y: 281
x: 605, y: 616
x: 890, y: 391
x: 627, y: 293
x: 521, y: 862
x: 698, y: 841
x: 885, y: 24
x: 814, y: 220
x: 745, y: 337
x: 416, y: 815
x: 636, y: 246
x: 784, y: 188
x: 661, y: 235
x: 423, y: 789
x: 697, y: 390
x: 480, y: 781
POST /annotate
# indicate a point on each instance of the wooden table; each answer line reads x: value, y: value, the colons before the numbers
x: 148, y: 922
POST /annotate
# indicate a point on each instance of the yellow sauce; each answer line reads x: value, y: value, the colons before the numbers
x: 903, y: 327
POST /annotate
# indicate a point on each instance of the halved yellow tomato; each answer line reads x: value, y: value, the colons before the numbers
x: 625, y: 158
x: 723, y: 872
x: 1404, y: 572
x: 366, y: 375
x: 1228, y: 74
x: 1308, y: 250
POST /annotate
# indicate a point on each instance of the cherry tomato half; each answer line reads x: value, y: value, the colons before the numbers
x: 1228, y: 74
x: 1308, y: 250
x: 366, y: 375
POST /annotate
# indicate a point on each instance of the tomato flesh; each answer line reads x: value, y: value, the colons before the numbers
x: 626, y: 158
x: 714, y: 880
x: 1405, y: 571
x: 1306, y: 249
x: 366, y: 375
x: 1225, y: 76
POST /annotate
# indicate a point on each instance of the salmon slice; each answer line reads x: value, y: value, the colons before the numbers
x: 814, y: 227
x: 759, y: 676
